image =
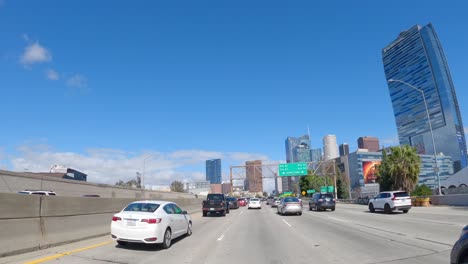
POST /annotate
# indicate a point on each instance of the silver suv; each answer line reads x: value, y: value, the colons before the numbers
x: 38, y: 192
x: 391, y: 201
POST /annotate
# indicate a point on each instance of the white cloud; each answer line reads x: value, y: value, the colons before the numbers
x: 24, y: 35
x: 35, y: 53
x: 52, y: 75
x: 77, y: 81
x: 110, y: 165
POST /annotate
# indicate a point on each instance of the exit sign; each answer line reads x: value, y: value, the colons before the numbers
x: 292, y: 169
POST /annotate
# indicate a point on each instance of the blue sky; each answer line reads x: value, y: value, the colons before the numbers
x: 99, y: 84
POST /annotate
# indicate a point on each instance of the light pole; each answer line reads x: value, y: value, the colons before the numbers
x: 144, y: 169
x: 436, y: 169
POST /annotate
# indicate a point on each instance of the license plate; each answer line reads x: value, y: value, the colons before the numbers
x: 211, y: 209
x: 131, y: 222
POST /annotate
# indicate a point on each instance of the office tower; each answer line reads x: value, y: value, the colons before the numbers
x: 416, y: 60
x: 344, y: 149
x: 369, y: 143
x: 254, y: 176
x: 330, y: 148
x: 316, y: 154
x: 213, y: 171
x: 297, y: 150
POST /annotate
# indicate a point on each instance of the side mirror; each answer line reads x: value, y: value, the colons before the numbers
x: 184, y: 212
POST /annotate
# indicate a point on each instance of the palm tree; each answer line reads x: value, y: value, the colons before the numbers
x: 402, y: 167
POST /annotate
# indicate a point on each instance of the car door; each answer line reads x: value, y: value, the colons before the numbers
x: 181, y: 219
x: 378, y: 201
x: 172, y: 219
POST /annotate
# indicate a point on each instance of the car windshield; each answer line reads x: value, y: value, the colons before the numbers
x: 291, y: 200
x: 141, y: 207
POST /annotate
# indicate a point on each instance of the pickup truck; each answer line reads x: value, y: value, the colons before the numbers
x: 215, y: 203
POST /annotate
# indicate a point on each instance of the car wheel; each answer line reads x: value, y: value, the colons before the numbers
x: 464, y: 258
x: 371, y: 208
x: 387, y: 209
x: 333, y: 209
x: 405, y: 211
x: 122, y: 243
x: 167, y: 239
x: 299, y: 213
x: 310, y: 208
x: 189, y: 229
x: 205, y: 214
x: 316, y: 208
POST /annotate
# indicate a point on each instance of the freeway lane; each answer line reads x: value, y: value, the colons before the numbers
x: 348, y: 235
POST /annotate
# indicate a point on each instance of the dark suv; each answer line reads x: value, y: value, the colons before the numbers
x: 322, y: 201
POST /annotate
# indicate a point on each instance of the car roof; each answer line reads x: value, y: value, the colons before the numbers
x: 153, y: 201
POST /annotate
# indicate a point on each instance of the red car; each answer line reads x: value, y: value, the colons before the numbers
x: 242, y: 202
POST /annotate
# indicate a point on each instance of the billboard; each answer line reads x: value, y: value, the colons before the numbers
x: 369, y: 171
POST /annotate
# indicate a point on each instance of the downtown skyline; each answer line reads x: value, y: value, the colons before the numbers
x: 194, y: 85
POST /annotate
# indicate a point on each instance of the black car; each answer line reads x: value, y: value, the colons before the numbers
x: 232, y: 201
x: 322, y: 202
x: 459, y: 253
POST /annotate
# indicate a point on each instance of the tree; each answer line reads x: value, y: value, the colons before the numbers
x: 422, y: 190
x: 135, y: 183
x: 177, y: 186
x: 400, y: 169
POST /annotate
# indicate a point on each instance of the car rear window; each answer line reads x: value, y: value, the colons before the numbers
x: 401, y: 194
x: 218, y: 197
x: 326, y: 195
x: 291, y: 200
x: 141, y: 207
x: 254, y: 200
x: 231, y: 199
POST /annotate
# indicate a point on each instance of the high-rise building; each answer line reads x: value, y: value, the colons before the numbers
x: 416, y: 57
x: 369, y: 143
x: 297, y: 150
x: 254, y: 176
x: 213, y: 171
x: 344, y: 149
x: 330, y: 148
x: 316, y: 154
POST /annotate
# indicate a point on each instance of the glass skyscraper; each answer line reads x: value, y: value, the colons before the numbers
x: 297, y: 150
x: 213, y: 171
x: 416, y: 57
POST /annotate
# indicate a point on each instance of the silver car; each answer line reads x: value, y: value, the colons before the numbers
x: 290, y: 205
x: 276, y: 202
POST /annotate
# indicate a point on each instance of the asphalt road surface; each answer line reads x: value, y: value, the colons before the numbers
x: 349, y: 235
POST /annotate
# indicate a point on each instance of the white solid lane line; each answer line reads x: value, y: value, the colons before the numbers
x: 286, y: 222
x: 337, y: 219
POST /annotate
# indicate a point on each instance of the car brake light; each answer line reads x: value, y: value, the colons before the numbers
x: 393, y: 198
x: 116, y: 218
x: 152, y: 220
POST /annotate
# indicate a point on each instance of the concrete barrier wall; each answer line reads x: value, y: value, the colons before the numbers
x: 454, y: 200
x: 31, y: 222
x: 13, y: 182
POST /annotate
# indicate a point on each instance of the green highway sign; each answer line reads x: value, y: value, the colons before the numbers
x: 292, y: 169
x: 287, y: 193
x: 310, y: 191
x: 325, y: 189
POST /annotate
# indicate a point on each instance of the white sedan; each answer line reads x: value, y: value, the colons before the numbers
x: 254, y: 203
x: 150, y: 222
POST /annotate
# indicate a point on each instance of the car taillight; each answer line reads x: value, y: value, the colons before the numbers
x: 320, y: 200
x: 393, y: 198
x: 152, y: 220
x: 116, y: 218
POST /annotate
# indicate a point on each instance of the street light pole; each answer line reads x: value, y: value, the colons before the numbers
x: 144, y: 170
x: 436, y: 169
